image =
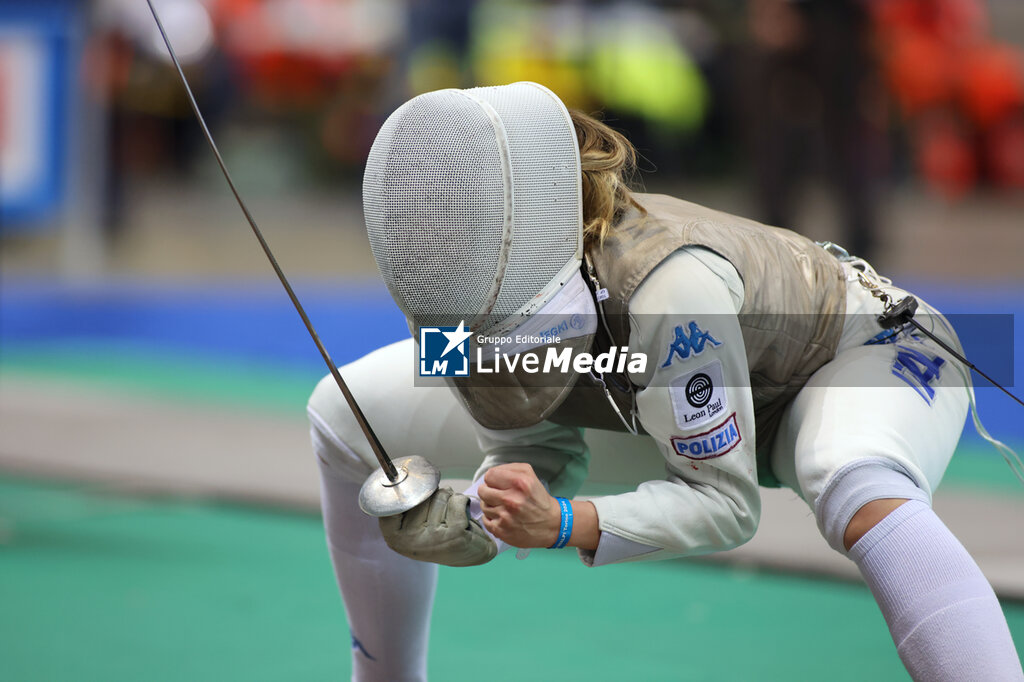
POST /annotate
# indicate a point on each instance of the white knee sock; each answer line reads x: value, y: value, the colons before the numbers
x: 942, y: 613
x: 388, y: 598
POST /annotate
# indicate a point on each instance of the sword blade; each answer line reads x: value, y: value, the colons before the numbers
x: 375, y: 445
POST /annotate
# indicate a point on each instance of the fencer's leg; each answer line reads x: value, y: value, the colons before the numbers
x: 855, y: 443
x: 387, y: 597
x: 867, y: 517
x: 942, y: 614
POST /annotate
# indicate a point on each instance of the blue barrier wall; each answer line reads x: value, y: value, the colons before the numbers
x: 255, y: 323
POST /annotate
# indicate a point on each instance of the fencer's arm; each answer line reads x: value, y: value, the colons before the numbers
x: 705, y: 505
x: 556, y: 454
x: 517, y: 509
x: 710, y: 499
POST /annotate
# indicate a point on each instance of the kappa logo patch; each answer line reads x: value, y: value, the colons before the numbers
x: 699, y: 397
x: 710, y: 444
x: 689, y: 342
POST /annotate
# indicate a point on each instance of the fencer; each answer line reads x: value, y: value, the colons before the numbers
x: 499, y: 212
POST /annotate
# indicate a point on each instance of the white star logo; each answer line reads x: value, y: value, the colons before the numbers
x: 455, y: 338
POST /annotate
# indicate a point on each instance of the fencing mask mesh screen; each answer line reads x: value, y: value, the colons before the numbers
x: 472, y: 203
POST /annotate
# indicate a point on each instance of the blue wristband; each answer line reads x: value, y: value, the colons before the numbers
x: 565, y: 528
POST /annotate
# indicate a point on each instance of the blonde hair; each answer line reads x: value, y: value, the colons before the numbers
x: 607, y: 160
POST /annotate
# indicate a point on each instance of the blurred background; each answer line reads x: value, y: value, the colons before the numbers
x: 157, y: 494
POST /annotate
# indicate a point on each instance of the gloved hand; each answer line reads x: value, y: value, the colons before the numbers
x: 439, y: 530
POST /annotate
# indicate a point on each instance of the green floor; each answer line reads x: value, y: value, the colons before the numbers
x: 95, y: 586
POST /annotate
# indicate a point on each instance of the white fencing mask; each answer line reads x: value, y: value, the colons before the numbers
x: 473, y: 204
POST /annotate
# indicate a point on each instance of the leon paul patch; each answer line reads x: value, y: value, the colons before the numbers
x: 699, y: 397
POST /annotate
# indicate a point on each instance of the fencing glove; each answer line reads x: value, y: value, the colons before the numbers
x: 441, y: 531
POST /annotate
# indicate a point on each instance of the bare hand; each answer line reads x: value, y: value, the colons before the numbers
x: 517, y: 508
